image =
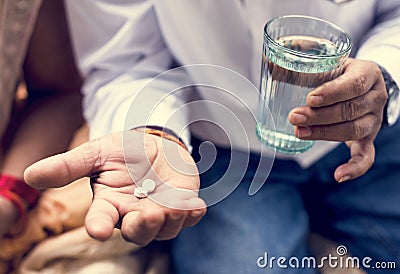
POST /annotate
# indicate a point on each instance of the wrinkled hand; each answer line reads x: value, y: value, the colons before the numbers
x: 115, y: 173
x: 348, y: 108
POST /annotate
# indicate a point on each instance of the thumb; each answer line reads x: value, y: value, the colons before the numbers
x: 362, y: 157
x: 62, y: 169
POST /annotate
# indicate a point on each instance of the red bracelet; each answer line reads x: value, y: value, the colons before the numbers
x: 21, y: 195
x: 11, y: 184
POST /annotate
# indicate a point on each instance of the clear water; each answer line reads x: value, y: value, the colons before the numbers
x: 286, y: 81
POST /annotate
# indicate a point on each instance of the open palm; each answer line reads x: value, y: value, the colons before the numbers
x: 117, y: 164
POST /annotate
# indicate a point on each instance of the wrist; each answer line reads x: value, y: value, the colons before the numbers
x: 391, y: 112
x: 19, y: 194
x: 163, y: 133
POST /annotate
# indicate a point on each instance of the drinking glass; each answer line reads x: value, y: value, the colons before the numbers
x: 299, y: 54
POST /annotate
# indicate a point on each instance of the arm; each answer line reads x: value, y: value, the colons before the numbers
x: 382, y: 43
x: 119, y: 49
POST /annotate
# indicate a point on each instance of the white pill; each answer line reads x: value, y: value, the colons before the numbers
x: 149, y: 185
x: 140, y: 192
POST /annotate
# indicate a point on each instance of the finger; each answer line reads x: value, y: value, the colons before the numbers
x: 358, y: 78
x: 173, y: 224
x: 339, y: 112
x: 353, y: 130
x: 362, y: 158
x: 176, y: 219
x: 61, y: 169
x: 182, y: 200
x: 142, y: 226
x: 157, y: 221
x: 101, y: 219
x: 177, y: 198
x: 195, y: 216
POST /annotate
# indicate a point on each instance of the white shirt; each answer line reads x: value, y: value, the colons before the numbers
x: 122, y: 45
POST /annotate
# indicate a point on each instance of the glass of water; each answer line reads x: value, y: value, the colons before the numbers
x: 299, y: 54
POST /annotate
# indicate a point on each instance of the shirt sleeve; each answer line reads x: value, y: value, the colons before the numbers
x: 121, y: 53
x: 382, y: 43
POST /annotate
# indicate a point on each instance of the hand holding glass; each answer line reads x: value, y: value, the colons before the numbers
x: 299, y: 54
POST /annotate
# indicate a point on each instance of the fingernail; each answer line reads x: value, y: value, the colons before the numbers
x: 297, y: 118
x: 344, y: 178
x: 314, y: 100
x: 303, y: 132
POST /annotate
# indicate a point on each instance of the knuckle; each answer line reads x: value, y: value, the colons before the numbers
x: 360, y: 83
x: 360, y: 130
x: 376, y: 70
x: 93, y: 157
x: 353, y: 109
x: 347, y: 111
x: 322, y: 132
x: 381, y: 98
x: 378, y: 102
x: 356, y: 108
x: 375, y: 124
x: 151, y: 221
x: 363, y: 105
x: 177, y: 216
